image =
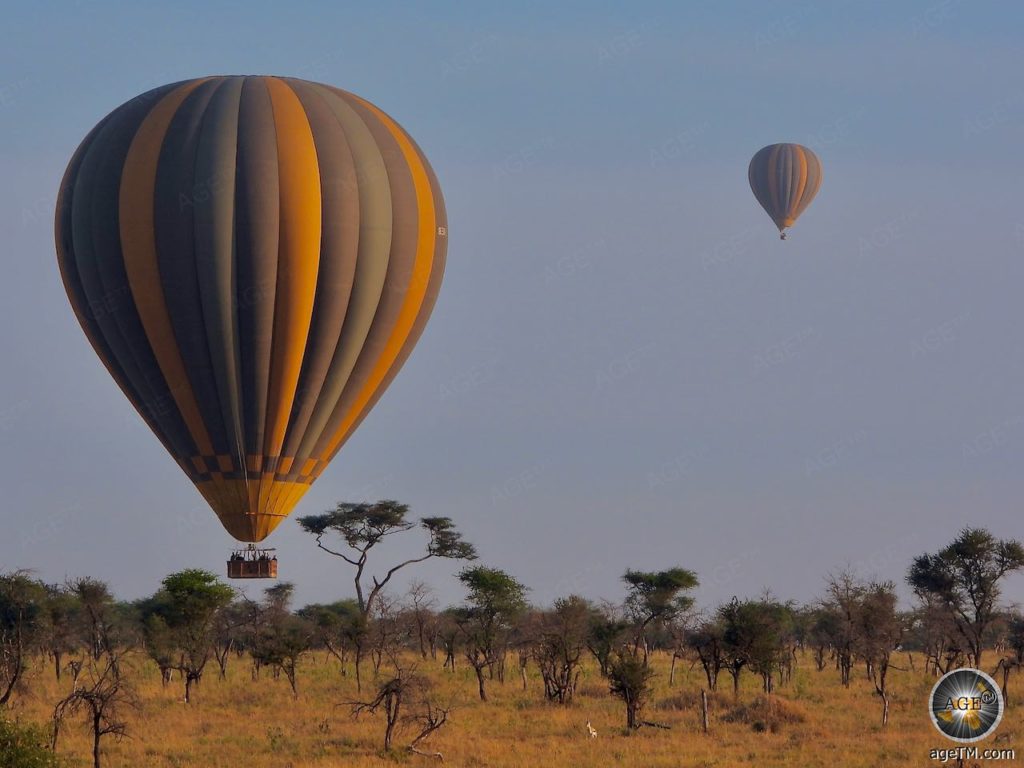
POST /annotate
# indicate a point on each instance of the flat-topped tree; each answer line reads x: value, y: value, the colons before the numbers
x: 182, y: 617
x: 756, y: 635
x: 364, y: 526
x: 494, y: 602
x: 965, y: 579
x: 656, y: 596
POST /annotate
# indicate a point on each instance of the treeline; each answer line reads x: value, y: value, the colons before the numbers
x: 195, y: 622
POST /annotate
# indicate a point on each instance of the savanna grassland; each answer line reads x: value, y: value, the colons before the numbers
x: 811, y: 720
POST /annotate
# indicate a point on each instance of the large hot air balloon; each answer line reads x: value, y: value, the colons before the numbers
x: 784, y: 179
x: 253, y: 259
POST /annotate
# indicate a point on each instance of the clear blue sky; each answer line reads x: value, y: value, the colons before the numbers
x: 626, y: 367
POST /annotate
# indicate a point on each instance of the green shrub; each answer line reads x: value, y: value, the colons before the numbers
x: 25, y: 746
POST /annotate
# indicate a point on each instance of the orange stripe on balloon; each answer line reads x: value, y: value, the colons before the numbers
x: 138, y: 244
x: 417, y: 283
x: 298, y: 256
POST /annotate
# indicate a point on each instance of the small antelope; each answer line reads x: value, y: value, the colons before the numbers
x: 591, y: 731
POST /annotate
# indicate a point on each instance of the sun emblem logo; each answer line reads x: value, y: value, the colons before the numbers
x: 966, y: 705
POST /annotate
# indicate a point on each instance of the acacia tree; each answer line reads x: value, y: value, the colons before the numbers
x: 386, y: 630
x: 771, y: 630
x: 407, y: 699
x: 707, y: 642
x: 819, y: 632
x: 285, y: 636
x: 755, y: 635
x: 1014, y: 658
x: 103, y: 697
x: 605, y: 633
x: 362, y: 527
x: 448, y: 634
x: 656, y: 597
x: 879, y: 631
x: 99, y: 615
x: 185, y: 610
x: 63, y: 613
x: 229, y: 628
x: 629, y: 678
x: 338, y: 627
x: 22, y: 627
x: 844, y: 595
x: 495, y: 600
x: 559, y: 643
x: 161, y: 646
x: 421, y: 606
x: 965, y: 578
x: 931, y: 630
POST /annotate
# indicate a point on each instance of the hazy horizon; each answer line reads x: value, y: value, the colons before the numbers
x: 625, y: 367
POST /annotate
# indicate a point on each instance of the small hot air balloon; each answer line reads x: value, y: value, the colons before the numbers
x: 253, y: 259
x: 784, y: 178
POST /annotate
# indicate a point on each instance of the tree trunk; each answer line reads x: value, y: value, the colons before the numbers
x: 222, y: 659
x: 358, y: 666
x: 480, y: 681
x: 704, y: 709
x: 56, y: 731
x: 289, y: 672
x: 189, y: 679
x: 56, y: 664
x: 672, y: 672
x: 16, y: 667
x: 96, y: 732
x: 392, y: 718
x: 423, y: 641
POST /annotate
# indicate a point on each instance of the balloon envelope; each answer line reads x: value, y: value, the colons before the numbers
x: 253, y: 259
x: 784, y: 178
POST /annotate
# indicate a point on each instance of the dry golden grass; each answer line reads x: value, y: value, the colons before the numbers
x: 813, y: 722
